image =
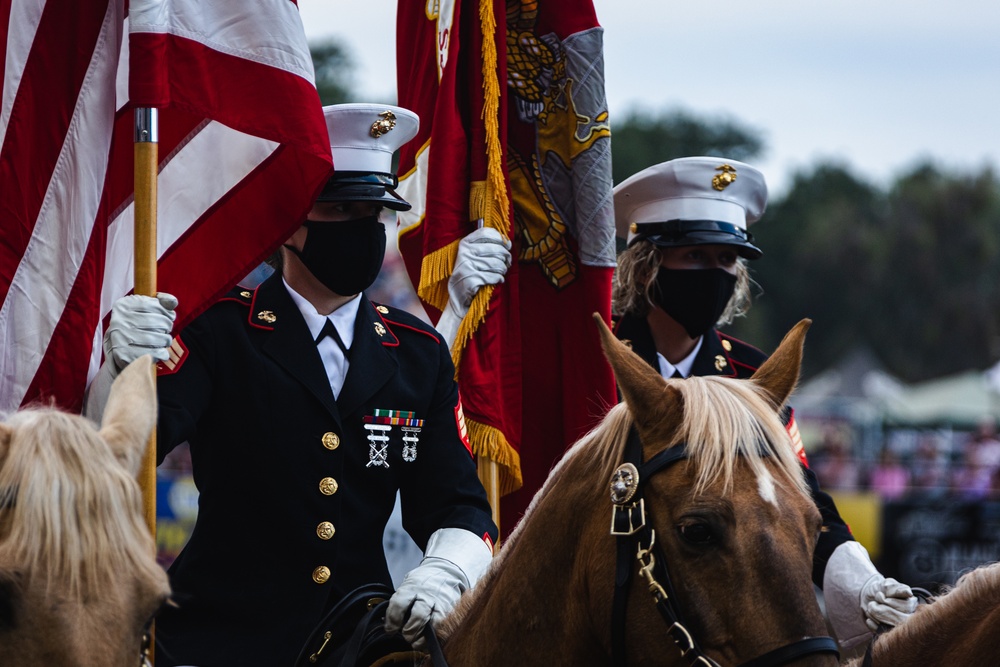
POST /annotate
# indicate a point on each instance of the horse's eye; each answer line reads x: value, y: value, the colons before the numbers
x: 697, y: 533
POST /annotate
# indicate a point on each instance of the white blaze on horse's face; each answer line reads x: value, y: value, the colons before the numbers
x: 765, y: 485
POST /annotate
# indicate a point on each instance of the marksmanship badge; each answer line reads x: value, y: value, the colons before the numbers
x: 379, y: 426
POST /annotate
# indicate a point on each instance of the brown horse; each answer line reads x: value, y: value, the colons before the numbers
x: 961, y: 627
x: 732, y: 520
x: 78, y: 574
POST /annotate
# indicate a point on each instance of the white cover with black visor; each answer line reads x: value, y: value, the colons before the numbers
x: 363, y: 138
x: 692, y: 201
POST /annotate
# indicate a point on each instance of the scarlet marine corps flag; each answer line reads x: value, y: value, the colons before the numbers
x: 514, y: 130
x: 242, y: 150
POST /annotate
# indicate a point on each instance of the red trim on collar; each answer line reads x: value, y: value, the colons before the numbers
x: 395, y: 339
x: 407, y: 326
x: 251, y: 317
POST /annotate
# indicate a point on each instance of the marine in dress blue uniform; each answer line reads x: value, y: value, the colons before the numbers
x: 307, y: 408
x: 685, y: 225
x: 292, y: 508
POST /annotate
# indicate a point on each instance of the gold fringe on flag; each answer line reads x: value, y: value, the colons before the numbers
x: 490, y: 443
x: 487, y: 199
x: 435, y: 269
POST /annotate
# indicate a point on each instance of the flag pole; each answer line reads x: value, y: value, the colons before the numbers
x: 146, y: 138
x: 146, y: 149
x: 489, y: 475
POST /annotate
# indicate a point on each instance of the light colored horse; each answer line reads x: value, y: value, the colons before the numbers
x: 733, y: 521
x: 78, y: 574
x: 961, y: 627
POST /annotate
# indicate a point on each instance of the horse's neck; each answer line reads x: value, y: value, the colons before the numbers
x: 532, y: 609
x: 944, y: 634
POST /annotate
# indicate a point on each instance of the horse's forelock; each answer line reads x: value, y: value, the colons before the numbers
x: 726, y: 420
x: 75, y: 515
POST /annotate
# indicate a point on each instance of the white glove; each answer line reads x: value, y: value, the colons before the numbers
x: 483, y: 258
x: 454, y: 561
x: 858, y: 597
x: 140, y: 325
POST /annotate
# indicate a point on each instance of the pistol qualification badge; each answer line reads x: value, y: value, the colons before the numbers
x: 379, y: 426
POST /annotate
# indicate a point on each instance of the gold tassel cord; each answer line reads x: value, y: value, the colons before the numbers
x: 489, y: 442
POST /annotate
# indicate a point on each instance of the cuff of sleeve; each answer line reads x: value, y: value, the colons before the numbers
x: 467, y: 551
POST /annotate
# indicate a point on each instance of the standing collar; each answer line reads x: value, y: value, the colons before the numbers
x: 683, y: 366
x: 342, y: 319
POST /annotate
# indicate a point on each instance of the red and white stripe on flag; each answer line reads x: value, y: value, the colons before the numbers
x: 242, y: 152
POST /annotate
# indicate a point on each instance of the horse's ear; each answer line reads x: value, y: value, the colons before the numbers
x: 780, y: 373
x: 130, y: 414
x: 652, y: 403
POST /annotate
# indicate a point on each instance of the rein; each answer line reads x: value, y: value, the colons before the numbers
x: 635, y: 535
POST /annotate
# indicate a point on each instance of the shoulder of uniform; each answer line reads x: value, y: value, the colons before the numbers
x: 404, y: 323
x: 741, y: 349
x: 239, y: 294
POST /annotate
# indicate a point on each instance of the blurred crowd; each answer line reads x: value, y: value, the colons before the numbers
x: 927, y: 464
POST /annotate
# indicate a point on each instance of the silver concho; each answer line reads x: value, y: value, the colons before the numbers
x: 624, y: 483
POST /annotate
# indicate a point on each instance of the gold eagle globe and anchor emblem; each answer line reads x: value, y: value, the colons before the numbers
x: 385, y: 124
x: 722, y: 181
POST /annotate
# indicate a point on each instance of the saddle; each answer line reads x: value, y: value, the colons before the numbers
x: 352, y: 634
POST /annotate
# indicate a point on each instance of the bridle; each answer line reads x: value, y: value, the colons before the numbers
x: 636, y: 539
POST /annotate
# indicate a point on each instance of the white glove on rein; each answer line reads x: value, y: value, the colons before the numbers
x: 454, y: 561
x: 858, y: 597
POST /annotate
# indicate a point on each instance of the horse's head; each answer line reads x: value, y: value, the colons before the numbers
x: 732, y: 517
x: 78, y: 574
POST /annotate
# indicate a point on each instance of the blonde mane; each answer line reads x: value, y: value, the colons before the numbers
x: 725, y: 421
x: 70, y: 514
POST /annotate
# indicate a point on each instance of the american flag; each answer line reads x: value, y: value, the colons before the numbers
x: 242, y: 151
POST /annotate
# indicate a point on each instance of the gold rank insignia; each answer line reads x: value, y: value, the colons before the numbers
x: 379, y: 329
x: 177, y: 357
x: 267, y: 316
x: 720, y: 362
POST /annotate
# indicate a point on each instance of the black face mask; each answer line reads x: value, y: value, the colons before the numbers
x: 696, y: 298
x: 345, y: 256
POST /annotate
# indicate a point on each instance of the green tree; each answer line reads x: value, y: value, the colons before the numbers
x: 643, y: 139
x: 817, y: 244
x: 940, y: 274
x: 334, y: 71
x: 912, y: 273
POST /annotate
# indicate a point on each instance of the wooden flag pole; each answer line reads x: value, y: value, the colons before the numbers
x: 146, y: 158
x: 146, y: 163
x: 489, y: 475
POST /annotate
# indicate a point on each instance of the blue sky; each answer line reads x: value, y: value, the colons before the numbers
x: 877, y: 85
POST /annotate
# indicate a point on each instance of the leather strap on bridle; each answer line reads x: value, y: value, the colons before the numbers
x: 434, y: 647
x: 635, y: 535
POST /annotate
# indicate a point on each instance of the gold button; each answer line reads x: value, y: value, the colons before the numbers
x: 727, y: 346
x: 325, y: 530
x: 321, y: 574
x: 331, y: 440
x: 246, y: 294
x: 328, y: 486
x: 382, y: 309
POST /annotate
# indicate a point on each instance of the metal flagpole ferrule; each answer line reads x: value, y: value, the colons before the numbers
x: 146, y: 125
